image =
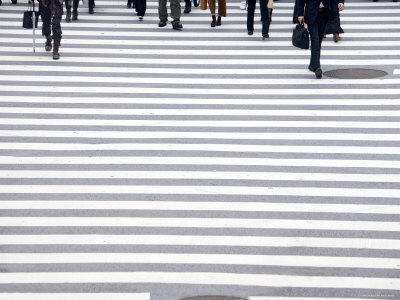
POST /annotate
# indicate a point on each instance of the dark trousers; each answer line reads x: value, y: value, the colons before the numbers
x: 251, y: 7
x: 91, y: 3
x: 50, y: 24
x: 141, y: 7
x: 317, y: 30
x: 75, y: 5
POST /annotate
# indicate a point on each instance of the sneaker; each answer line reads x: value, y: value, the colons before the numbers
x: 243, y: 5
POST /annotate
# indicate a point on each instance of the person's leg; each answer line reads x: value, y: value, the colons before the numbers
x: 75, y: 5
x: 212, y: 5
x: 162, y: 13
x: 250, y: 16
x: 264, y: 18
x: 141, y: 8
x: 68, y: 7
x: 222, y: 8
x: 57, y: 35
x: 188, y: 6
x: 91, y: 7
x: 176, y: 11
x: 315, y: 47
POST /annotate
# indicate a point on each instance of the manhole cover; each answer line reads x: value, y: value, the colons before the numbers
x: 213, y: 298
x: 355, y: 73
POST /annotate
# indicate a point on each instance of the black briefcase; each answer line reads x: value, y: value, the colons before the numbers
x: 301, y: 37
x: 27, y: 20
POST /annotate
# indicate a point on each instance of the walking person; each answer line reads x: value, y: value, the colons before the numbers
x: 333, y: 26
x: 212, y: 5
x: 175, y: 7
x: 51, y: 12
x: 266, y: 7
x: 316, y: 14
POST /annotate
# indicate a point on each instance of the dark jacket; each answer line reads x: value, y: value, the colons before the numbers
x: 310, y: 8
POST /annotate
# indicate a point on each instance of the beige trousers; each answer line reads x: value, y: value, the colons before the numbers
x: 212, y: 5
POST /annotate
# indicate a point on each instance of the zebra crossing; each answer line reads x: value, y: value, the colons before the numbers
x: 151, y: 164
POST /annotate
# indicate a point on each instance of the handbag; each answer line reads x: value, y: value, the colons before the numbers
x: 27, y: 20
x: 301, y: 37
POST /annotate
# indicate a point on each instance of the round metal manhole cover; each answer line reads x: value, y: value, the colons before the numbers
x: 355, y: 73
x: 213, y: 298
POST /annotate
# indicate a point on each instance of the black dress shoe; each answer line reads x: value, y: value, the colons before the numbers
x: 177, y: 26
x: 311, y: 69
x: 162, y: 24
x: 318, y: 73
x: 250, y: 32
x: 265, y: 36
x: 14, y: 1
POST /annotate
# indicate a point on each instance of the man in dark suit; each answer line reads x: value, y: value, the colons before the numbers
x: 316, y: 14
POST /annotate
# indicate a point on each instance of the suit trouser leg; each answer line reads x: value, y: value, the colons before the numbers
x: 75, y: 5
x: 176, y: 10
x: 162, y: 10
x: 251, y: 7
x: 264, y: 16
x: 316, y: 36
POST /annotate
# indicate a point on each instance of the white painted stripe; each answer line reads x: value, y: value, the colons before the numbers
x: 216, y: 62
x: 196, y: 112
x: 165, y: 71
x: 202, y: 22
x: 202, y: 206
x: 202, y: 190
x: 248, y: 241
x: 75, y: 296
x: 68, y: 40
x: 303, y: 298
x: 199, y: 223
x: 202, y: 52
x: 212, y: 259
x: 199, y: 91
x: 204, y: 135
x: 378, y: 17
x: 199, y: 81
x: 203, y: 278
x: 199, y: 147
x: 201, y: 123
x: 202, y: 175
x: 235, y: 161
x: 305, y: 101
x: 396, y: 71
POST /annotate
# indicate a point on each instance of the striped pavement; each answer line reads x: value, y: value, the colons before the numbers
x: 151, y: 164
